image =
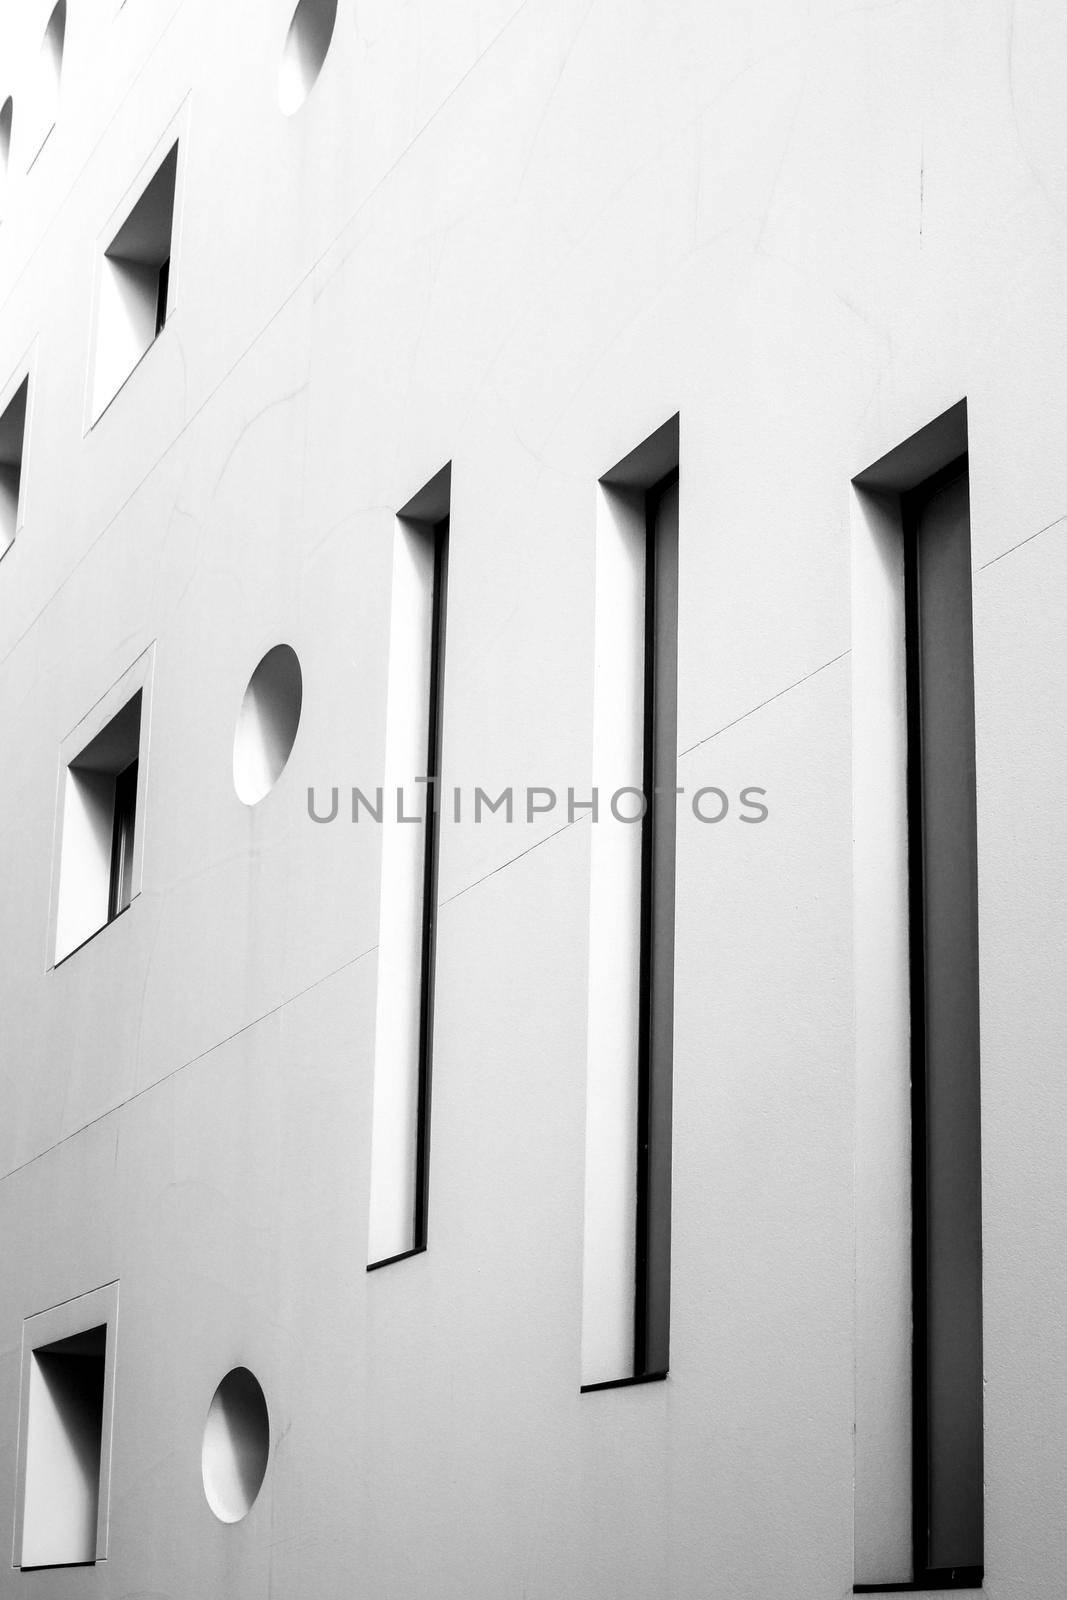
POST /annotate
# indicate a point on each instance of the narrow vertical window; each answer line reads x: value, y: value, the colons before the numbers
x: 410, y: 796
x: 431, y: 833
x: 626, y: 1292
x: 656, y: 1025
x: 918, y: 1170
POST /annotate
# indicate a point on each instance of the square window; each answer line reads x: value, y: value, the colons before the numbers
x: 99, y: 819
x: 99, y: 825
x: 68, y: 1359
x: 135, y: 284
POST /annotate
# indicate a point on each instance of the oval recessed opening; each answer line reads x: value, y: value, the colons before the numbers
x: 44, y: 104
x: 267, y: 724
x: 233, y: 1459
x: 52, y: 56
x: 305, y: 50
x: 54, y: 38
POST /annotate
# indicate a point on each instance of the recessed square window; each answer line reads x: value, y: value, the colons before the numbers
x: 135, y: 284
x: 64, y: 1422
x: 99, y: 824
x: 99, y: 828
x: 68, y: 1362
x: 12, y: 437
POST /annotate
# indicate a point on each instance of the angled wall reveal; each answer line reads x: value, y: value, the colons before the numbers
x: 400, y: 1139
x: 919, y: 1272
x: 626, y: 1283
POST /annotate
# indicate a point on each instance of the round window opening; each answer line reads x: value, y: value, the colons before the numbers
x: 52, y: 53
x: 236, y: 1445
x: 305, y: 50
x: 267, y: 724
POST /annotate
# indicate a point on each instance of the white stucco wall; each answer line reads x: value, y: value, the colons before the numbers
x: 517, y: 235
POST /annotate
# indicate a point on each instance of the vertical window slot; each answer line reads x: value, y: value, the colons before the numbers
x: 400, y: 1138
x: 626, y: 1292
x: 919, y: 1314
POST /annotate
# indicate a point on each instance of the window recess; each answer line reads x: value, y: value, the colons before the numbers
x: 98, y: 857
x: 45, y: 93
x: 12, y: 446
x: 400, y: 1138
x: 135, y: 284
x: 64, y: 1436
x: 926, y: 1532
x: 626, y: 1285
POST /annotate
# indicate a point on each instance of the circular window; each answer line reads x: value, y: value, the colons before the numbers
x: 305, y: 50
x: 267, y: 724
x: 236, y: 1445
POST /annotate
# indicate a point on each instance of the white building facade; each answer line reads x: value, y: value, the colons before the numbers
x: 541, y: 399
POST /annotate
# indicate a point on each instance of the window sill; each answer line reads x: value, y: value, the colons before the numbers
x: 138, y: 364
x: 405, y: 1255
x: 960, y: 1578
x: 623, y: 1383
x: 95, y: 935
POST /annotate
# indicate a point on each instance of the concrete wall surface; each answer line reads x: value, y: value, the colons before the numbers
x: 515, y: 235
